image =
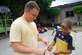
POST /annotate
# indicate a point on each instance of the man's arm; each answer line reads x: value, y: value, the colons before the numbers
x: 45, y: 41
x: 17, y: 47
x: 40, y: 38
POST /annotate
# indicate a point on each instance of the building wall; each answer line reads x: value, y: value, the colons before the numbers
x: 63, y: 14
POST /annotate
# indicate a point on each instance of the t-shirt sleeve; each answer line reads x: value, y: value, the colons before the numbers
x: 71, y: 44
x: 36, y: 27
x: 15, y: 33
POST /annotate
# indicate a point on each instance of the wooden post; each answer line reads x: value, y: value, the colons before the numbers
x: 58, y: 19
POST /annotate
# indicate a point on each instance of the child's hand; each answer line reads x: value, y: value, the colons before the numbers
x: 57, y: 52
x: 49, y: 48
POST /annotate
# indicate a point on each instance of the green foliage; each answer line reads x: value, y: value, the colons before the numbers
x: 44, y: 3
x: 15, y: 6
x: 54, y: 11
x: 44, y: 6
x: 77, y: 9
x: 45, y: 9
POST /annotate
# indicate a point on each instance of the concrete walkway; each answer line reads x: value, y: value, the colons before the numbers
x: 5, y: 48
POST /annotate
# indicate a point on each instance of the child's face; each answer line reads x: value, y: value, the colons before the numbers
x: 65, y: 30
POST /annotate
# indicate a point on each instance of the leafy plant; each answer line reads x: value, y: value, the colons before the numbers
x: 78, y: 10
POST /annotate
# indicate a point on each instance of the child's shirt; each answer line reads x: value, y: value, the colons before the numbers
x: 58, y: 28
x: 63, y: 42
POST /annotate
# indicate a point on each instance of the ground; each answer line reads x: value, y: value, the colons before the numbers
x: 5, y: 48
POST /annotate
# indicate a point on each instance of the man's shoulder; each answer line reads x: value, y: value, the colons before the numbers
x: 17, y: 21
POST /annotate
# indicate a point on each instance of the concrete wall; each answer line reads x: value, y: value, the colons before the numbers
x: 63, y: 14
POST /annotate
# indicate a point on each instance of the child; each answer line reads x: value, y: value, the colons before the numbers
x: 63, y: 39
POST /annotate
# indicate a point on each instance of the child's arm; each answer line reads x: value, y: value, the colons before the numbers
x: 51, y: 46
x: 63, y: 52
x: 66, y: 52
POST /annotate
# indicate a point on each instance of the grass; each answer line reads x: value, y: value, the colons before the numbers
x: 7, y: 28
x: 77, y: 27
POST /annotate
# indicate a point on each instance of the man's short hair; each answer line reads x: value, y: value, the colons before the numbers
x: 32, y: 4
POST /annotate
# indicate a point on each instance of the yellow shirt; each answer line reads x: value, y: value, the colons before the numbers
x: 61, y: 45
x: 25, y: 33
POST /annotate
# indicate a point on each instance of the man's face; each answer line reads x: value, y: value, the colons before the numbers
x: 33, y: 14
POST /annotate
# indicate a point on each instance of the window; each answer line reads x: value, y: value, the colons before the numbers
x: 69, y: 13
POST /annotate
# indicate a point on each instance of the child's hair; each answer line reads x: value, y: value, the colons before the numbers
x: 67, y: 23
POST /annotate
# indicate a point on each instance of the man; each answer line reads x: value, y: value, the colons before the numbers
x: 24, y: 36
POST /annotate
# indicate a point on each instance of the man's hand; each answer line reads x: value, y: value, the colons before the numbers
x: 41, y: 52
x: 45, y: 42
x: 49, y: 48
